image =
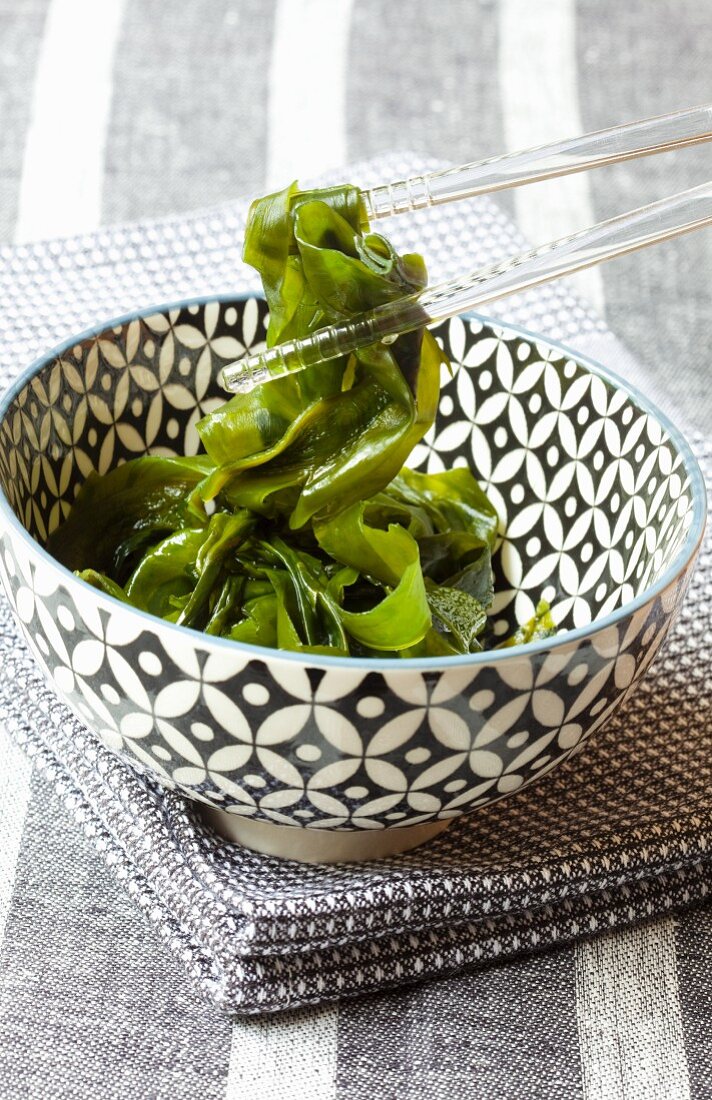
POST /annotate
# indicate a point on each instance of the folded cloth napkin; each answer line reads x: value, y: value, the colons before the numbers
x: 592, y: 846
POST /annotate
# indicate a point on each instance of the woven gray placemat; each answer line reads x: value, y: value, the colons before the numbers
x: 587, y: 848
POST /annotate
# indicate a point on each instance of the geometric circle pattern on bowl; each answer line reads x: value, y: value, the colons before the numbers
x: 594, y: 502
x: 332, y: 747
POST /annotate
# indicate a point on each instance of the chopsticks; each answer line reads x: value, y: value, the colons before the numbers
x: 558, y: 158
x: 658, y: 221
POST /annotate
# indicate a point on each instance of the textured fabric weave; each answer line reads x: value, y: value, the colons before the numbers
x: 588, y: 848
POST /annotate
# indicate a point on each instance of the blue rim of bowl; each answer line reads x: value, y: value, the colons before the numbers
x: 387, y: 664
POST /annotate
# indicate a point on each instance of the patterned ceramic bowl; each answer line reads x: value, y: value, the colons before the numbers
x: 602, y: 510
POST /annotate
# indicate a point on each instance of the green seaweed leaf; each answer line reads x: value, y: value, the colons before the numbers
x: 118, y: 514
x: 300, y: 527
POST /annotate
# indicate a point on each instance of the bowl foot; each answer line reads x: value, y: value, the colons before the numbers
x: 317, y: 845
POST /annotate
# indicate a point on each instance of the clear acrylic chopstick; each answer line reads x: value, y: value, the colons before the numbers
x: 559, y: 158
x: 658, y: 221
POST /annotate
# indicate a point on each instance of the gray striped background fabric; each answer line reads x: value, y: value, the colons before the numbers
x: 129, y: 109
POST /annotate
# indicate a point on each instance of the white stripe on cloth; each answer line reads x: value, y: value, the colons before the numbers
x: 540, y: 103
x: 63, y: 166
x: 15, y: 768
x: 307, y: 89
x: 268, y: 1055
x: 15, y: 774
x: 628, y: 1008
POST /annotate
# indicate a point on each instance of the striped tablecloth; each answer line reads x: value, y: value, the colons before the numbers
x: 132, y: 109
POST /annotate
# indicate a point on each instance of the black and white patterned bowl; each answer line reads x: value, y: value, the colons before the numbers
x: 602, y: 509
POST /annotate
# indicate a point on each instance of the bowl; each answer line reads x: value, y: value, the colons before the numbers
x: 602, y: 510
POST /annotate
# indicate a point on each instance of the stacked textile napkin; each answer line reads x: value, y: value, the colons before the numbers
x: 587, y: 848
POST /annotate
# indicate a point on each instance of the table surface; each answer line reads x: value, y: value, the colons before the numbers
x: 133, y: 108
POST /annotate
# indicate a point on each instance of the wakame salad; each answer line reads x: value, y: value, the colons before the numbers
x: 300, y: 527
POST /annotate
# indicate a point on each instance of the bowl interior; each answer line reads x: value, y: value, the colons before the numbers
x: 593, y: 494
